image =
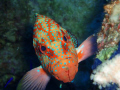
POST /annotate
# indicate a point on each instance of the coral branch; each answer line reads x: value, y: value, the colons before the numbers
x: 108, y: 72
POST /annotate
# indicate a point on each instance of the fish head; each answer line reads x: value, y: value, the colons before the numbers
x: 55, y: 49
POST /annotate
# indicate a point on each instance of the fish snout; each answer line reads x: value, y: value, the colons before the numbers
x: 66, y: 69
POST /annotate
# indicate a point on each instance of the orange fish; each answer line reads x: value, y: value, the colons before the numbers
x: 55, y: 48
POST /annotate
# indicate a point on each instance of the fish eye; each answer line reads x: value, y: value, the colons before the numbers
x: 64, y: 37
x: 43, y: 48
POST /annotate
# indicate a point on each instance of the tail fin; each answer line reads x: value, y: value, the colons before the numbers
x: 87, y: 48
x: 36, y: 79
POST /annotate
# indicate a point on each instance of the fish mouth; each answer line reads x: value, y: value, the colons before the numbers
x: 66, y: 69
x: 62, y: 59
x: 68, y: 57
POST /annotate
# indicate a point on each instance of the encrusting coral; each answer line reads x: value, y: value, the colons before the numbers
x: 109, y: 35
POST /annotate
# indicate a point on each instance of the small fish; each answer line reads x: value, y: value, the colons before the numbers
x: 9, y: 81
x: 56, y: 51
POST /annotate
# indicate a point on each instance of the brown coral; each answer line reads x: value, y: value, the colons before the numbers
x: 109, y: 34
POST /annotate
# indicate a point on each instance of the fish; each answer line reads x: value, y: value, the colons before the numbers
x: 8, y: 81
x: 56, y: 50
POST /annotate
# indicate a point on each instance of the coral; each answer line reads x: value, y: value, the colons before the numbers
x: 108, y: 72
x: 115, y: 14
x: 106, y: 69
x: 109, y: 35
x: 104, y: 54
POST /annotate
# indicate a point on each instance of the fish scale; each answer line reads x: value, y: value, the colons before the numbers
x: 55, y: 48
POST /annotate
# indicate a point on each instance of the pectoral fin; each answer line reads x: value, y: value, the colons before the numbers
x: 87, y: 48
x: 35, y: 79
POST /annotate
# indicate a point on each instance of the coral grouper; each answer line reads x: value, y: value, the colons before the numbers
x: 55, y: 48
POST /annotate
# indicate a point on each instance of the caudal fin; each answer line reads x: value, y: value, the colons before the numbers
x: 36, y: 79
x: 87, y: 48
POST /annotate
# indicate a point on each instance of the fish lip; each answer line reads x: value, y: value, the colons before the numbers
x: 68, y: 57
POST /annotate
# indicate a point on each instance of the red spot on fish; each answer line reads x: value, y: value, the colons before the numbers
x: 51, y: 53
x: 65, y: 47
x: 42, y: 40
x: 51, y: 36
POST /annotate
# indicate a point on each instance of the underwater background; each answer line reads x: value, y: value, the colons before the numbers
x: 17, y: 56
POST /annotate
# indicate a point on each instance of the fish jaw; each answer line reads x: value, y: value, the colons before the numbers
x: 65, y: 69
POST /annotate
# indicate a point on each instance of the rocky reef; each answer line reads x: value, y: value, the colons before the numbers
x: 106, y: 75
x: 109, y: 35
